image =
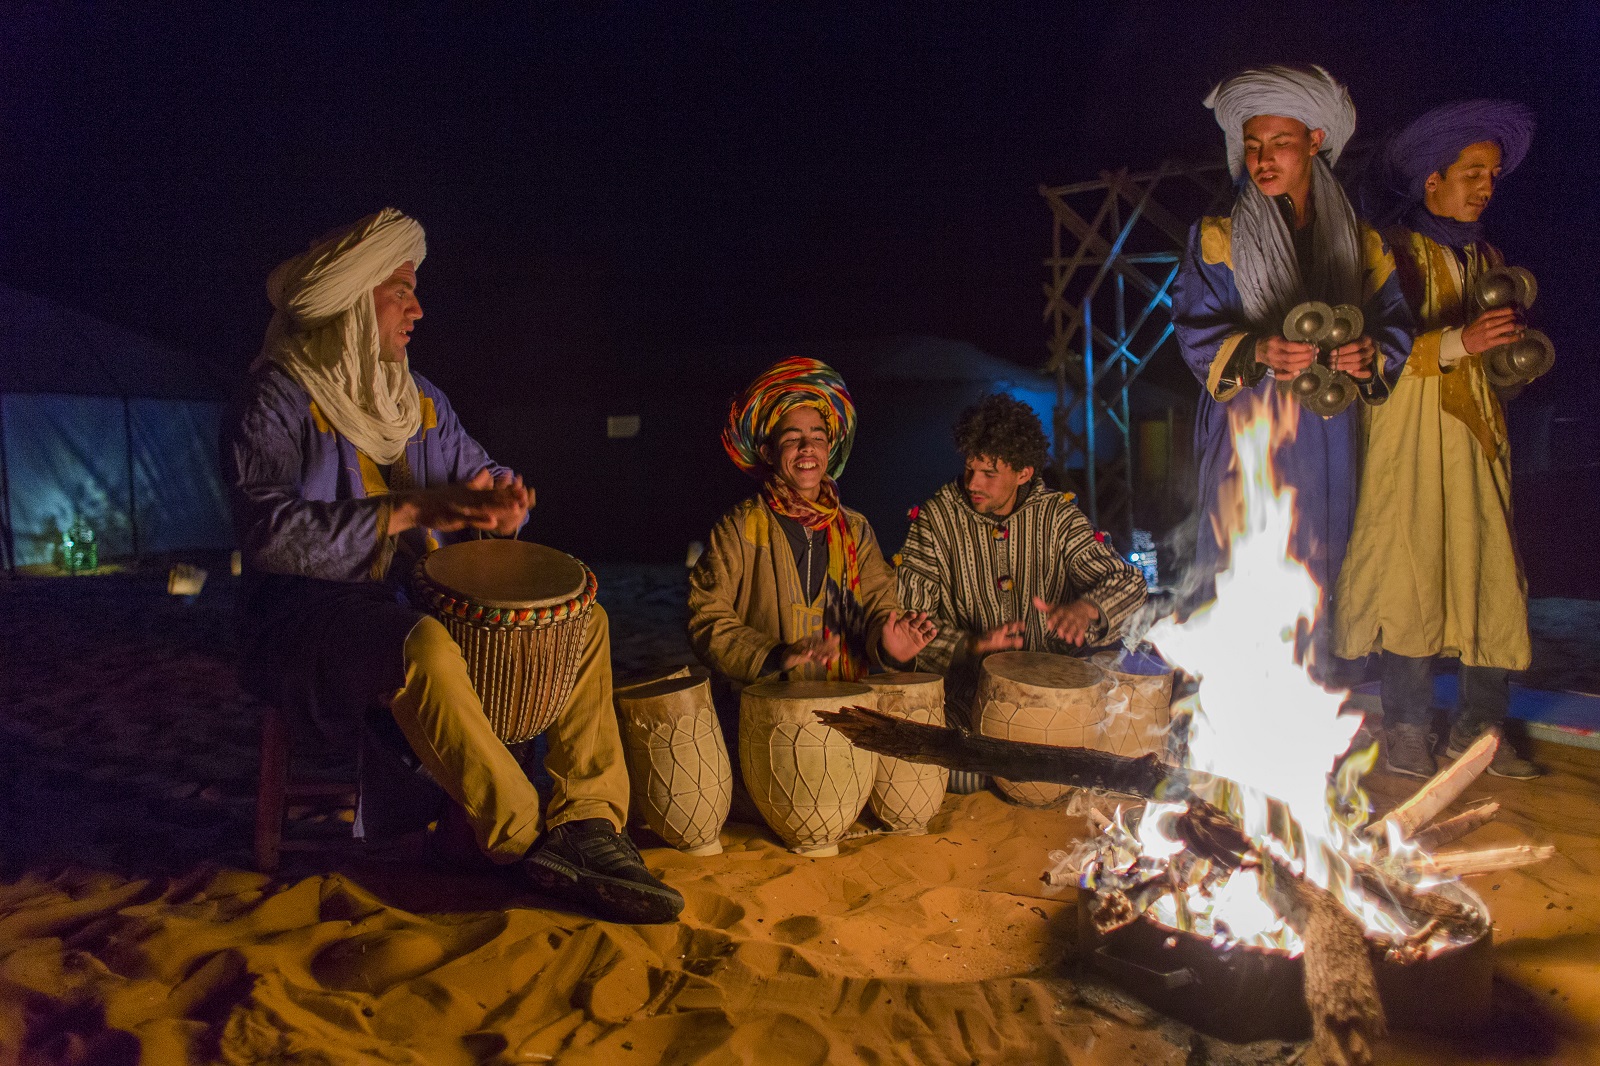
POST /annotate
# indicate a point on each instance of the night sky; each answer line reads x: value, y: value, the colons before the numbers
x: 612, y: 190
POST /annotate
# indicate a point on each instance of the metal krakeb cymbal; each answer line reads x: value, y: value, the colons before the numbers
x: 1520, y: 361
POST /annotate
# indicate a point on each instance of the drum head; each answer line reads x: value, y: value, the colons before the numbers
x: 664, y: 687
x: 807, y: 690
x: 1043, y: 669
x: 506, y: 573
x: 900, y: 677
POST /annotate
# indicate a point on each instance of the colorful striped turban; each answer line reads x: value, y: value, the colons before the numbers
x: 787, y: 384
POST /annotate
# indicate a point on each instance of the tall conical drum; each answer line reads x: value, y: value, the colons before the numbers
x: 906, y: 795
x: 1138, y: 704
x: 678, y: 767
x: 807, y: 780
x: 1040, y: 698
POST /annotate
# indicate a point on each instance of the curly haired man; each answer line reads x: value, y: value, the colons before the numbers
x: 999, y: 561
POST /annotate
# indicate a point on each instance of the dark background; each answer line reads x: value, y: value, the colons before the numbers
x: 619, y: 198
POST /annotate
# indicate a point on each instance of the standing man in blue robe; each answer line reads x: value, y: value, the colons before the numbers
x: 1292, y: 236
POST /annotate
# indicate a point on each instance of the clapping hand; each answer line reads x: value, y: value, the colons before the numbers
x: 904, y: 635
x: 1008, y: 636
x: 821, y: 648
x: 1069, y: 621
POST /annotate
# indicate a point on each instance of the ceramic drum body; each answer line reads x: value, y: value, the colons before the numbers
x: 1138, y: 705
x: 519, y: 612
x: 1040, y: 698
x: 678, y: 763
x: 906, y: 795
x: 808, y: 781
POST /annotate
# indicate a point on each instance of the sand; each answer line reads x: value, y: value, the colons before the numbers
x: 130, y: 930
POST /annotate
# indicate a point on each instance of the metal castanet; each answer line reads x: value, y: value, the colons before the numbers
x: 1529, y: 356
x: 1321, y: 389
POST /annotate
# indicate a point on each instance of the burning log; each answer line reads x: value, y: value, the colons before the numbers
x: 1441, y: 790
x: 1145, y: 777
x: 1451, y: 829
x: 1467, y: 863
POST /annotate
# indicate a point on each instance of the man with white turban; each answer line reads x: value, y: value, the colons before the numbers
x: 1292, y: 236
x: 342, y: 464
x: 1433, y: 569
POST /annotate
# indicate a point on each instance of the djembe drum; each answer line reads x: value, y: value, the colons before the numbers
x: 678, y: 763
x: 808, y: 781
x: 1138, y: 705
x: 519, y: 611
x: 1040, y: 698
x: 906, y: 795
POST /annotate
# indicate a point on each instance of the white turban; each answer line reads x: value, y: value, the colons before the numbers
x: 1308, y: 96
x: 325, y: 331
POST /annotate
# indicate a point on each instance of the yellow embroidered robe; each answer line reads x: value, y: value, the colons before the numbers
x: 1432, y: 567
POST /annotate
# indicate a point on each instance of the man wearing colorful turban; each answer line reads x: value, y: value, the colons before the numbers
x: 792, y: 582
x: 1433, y: 568
x: 344, y: 465
x: 1292, y: 236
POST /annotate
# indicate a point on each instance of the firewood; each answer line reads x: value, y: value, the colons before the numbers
x: 1417, y: 902
x: 1441, y: 790
x: 1488, y: 860
x: 1441, y: 833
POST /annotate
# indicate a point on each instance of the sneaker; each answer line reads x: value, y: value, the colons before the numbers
x: 590, y: 865
x: 1506, y: 762
x: 965, y: 782
x: 1406, y: 751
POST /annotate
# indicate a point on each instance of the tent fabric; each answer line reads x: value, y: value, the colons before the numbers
x: 75, y: 394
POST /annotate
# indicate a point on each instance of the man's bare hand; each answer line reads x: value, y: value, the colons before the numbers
x: 1491, y: 329
x: 822, y: 649
x: 1006, y: 637
x: 1286, y: 358
x: 1355, y: 358
x: 1069, y: 621
x: 904, y: 635
x: 497, y: 504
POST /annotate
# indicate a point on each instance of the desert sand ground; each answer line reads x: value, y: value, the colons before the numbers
x: 132, y: 931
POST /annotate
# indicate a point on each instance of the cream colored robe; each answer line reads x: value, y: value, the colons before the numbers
x: 1432, y: 567
x: 745, y: 597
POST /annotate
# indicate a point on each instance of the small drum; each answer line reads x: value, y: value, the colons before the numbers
x: 519, y: 611
x: 1138, y: 703
x: 678, y: 763
x: 808, y: 781
x: 906, y: 795
x: 1040, y: 698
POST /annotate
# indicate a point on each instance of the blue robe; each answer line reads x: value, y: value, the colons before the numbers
x: 1320, y: 462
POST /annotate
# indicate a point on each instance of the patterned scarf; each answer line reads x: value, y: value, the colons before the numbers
x: 842, y: 610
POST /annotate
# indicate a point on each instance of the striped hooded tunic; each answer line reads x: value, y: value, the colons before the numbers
x: 972, y: 572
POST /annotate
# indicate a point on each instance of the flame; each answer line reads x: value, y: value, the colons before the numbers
x: 1272, y: 736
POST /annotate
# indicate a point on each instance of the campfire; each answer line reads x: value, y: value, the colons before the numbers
x: 1260, y: 847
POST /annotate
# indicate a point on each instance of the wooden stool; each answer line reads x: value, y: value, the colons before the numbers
x: 274, y: 788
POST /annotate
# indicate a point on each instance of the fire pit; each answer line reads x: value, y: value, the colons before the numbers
x: 1242, y: 993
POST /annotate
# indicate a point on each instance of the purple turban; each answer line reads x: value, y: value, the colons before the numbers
x: 1395, y: 189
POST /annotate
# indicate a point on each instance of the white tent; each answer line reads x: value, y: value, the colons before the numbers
x: 103, y: 425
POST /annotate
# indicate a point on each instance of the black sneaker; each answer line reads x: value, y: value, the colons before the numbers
x: 592, y: 866
x: 1506, y: 762
x: 1406, y: 751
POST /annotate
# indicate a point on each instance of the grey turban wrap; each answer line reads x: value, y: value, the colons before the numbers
x: 1264, y: 263
x: 1308, y: 96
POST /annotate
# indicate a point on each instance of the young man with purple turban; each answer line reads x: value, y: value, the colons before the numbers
x: 344, y: 466
x: 1433, y: 569
x: 1292, y: 236
x: 792, y: 582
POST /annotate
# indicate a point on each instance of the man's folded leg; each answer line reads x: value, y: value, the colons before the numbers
x: 585, y: 857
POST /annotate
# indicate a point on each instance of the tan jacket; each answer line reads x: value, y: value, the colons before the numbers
x: 745, y: 596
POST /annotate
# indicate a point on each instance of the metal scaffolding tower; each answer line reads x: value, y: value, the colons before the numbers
x: 1115, y: 245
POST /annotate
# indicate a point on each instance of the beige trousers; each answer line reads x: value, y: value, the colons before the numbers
x: 443, y: 720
